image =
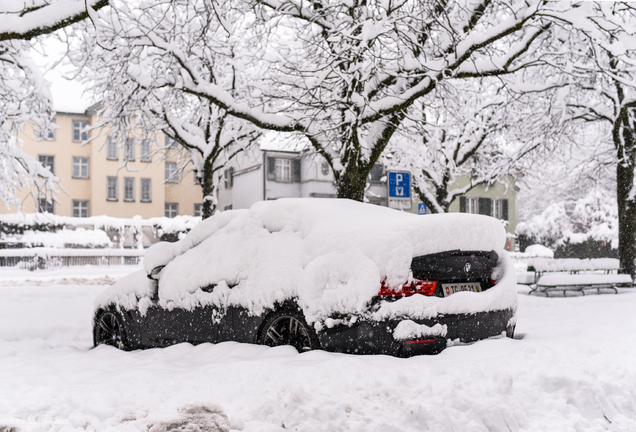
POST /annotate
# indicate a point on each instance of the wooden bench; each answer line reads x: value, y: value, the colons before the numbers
x: 577, y: 275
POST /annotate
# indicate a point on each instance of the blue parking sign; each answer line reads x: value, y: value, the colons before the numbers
x: 399, y: 184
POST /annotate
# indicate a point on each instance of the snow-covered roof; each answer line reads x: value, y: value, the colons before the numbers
x: 281, y: 141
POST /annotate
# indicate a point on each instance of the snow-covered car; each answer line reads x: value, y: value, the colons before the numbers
x: 324, y: 274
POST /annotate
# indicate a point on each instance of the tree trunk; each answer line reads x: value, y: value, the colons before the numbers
x: 626, y: 218
x: 209, y: 190
x: 352, y: 183
x: 626, y: 199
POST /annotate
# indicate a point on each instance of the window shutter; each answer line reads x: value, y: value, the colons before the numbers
x: 271, y: 168
x: 231, y: 176
x: 295, y: 170
x: 485, y: 206
x: 504, y: 209
x: 462, y: 204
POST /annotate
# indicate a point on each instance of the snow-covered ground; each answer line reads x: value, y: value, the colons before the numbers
x: 572, y: 368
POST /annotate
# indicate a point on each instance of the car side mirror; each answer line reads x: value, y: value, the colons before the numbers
x: 154, y: 273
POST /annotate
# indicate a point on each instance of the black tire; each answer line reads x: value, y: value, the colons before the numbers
x: 109, y: 330
x: 288, y: 327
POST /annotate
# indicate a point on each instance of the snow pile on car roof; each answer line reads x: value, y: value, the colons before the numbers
x: 328, y: 255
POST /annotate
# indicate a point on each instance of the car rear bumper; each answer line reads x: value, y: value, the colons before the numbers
x: 376, y: 337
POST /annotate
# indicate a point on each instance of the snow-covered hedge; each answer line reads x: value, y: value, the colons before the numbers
x: 46, y: 230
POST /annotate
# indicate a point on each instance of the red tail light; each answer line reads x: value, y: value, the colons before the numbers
x: 426, y: 288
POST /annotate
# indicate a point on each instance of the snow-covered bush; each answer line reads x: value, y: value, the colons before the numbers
x: 585, y: 228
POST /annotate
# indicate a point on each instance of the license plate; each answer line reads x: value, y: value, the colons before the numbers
x: 452, y: 288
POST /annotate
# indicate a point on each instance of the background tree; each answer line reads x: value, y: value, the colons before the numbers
x: 476, y: 132
x: 601, y: 65
x: 343, y: 75
x: 137, y: 73
x: 24, y: 94
x: 212, y: 138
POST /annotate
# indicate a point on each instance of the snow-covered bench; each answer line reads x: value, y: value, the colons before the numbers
x: 577, y: 275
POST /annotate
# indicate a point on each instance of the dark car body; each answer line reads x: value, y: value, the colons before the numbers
x: 159, y: 326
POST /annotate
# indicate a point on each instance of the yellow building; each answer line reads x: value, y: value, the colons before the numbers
x: 105, y: 177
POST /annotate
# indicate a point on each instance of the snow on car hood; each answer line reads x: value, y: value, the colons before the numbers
x: 329, y: 255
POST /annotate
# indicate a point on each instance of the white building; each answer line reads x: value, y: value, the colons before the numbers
x: 260, y: 175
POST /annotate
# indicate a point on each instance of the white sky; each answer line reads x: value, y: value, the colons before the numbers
x: 68, y: 94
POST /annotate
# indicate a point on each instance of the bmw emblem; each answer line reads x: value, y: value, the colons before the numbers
x: 467, y: 267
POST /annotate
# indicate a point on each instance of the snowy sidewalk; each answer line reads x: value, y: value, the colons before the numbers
x: 88, y: 275
x: 573, y: 369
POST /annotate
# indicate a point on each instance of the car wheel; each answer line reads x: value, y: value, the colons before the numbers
x: 109, y: 330
x: 510, y: 331
x: 288, y: 327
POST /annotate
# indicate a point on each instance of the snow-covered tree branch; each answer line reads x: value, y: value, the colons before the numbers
x: 473, y: 133
x: 343, y: 74
x: 141, y: 84
x: 31, y: 18
x: 24, y: 95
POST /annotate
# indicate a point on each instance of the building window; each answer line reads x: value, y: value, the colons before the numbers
x: 171, y: 172
x: 469, y: 204
x: 171, y: 210
x: 495, y: 207
x: 228, y: 178
x: 46, y: 206
x: 283, y: 169
x: 129, y: 189
x: 80, y: 167
x: 170, y: 143
x: 111, y: 189
x: 376, y: 173
x: 129, y: 150
x: 324, y: 168
x: 48, y: 162
x: 50, y: 135
x: 111, y: 149
x: 145, y: 155
x: 79, y: 134
x: 197, y: 210
x: 146, y: 191
x: 80, y: 208
x: 500, y: 208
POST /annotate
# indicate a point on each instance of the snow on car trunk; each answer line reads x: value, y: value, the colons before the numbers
x: 328, y: 255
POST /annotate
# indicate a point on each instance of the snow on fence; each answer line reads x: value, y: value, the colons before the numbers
x: 49, y: 258
x: 46, y: 230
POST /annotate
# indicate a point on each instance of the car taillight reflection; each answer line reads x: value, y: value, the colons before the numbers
x: 426, y: 288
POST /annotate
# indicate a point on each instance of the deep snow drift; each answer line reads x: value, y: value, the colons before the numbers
x: 329, y: 255
x: 573, y: 370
